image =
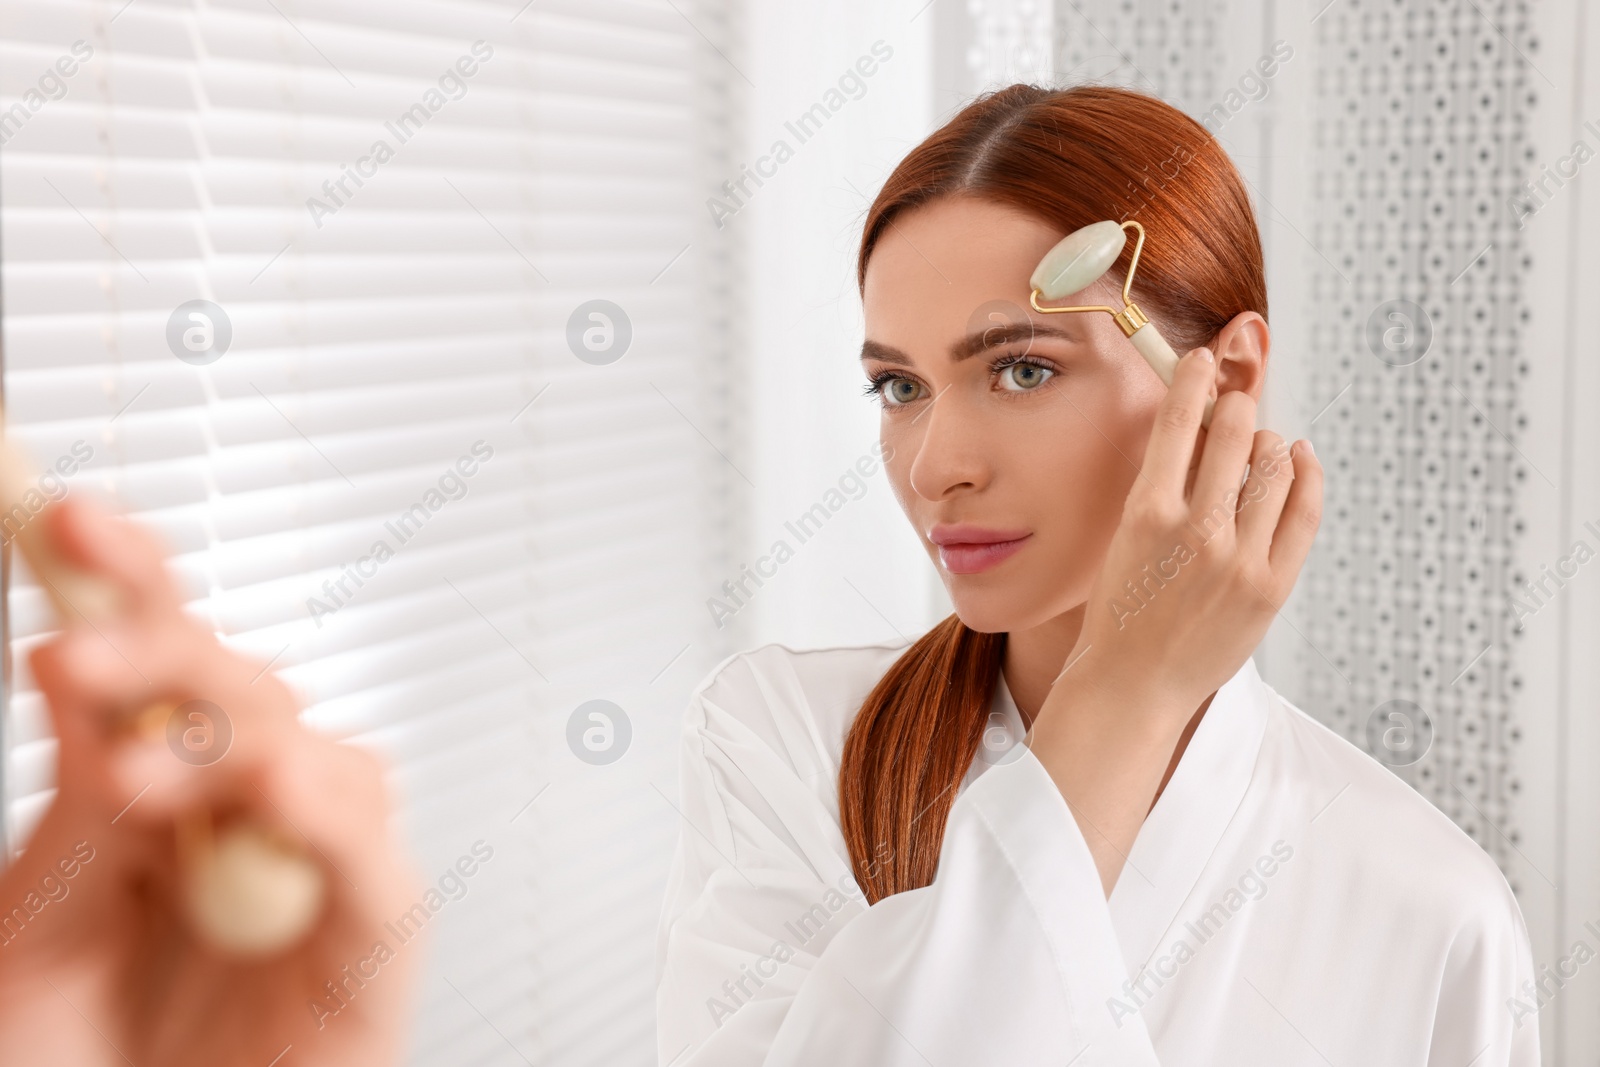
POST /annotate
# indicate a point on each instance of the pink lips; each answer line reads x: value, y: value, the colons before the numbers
x: 968, y: 549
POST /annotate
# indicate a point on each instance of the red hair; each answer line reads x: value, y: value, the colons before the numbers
x: 1070, y: 157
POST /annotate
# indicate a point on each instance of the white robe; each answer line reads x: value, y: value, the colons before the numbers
x: 1288, y: 901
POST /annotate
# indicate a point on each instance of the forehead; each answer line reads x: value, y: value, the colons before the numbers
x: 957, y: 243
x: 937, y: 266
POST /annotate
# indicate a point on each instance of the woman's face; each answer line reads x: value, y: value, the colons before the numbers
x: 1012, y: 437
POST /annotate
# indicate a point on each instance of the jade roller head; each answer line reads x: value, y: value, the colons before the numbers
x: 1079, y: 260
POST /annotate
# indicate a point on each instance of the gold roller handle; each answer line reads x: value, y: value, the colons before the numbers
x: 247, y: 891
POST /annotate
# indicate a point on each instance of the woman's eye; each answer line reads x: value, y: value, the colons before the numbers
x: 900, y: 391
x: 1021, y: 377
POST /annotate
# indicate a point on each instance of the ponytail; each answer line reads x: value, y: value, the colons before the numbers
x: 908, y: 751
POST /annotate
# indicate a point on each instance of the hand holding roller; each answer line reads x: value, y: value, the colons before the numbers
x: 248, y: 891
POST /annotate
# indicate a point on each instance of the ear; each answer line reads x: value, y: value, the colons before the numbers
x: 1241, y: 348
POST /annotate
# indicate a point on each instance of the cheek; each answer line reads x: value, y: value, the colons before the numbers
x: 1079, y: 476
x: 1079, y: 469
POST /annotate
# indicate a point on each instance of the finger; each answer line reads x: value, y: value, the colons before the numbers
x: 117, y: 549
x: 1228, y: 444
x: 219, y: 717
x: 122, y: 665
x: 154, y: 730
x: 79, y: 737
x: 1172, y: 438
x: 332, y: 799
x: 1194, y: 464
x: 326, y: 800
x: 1265, y: 490
x: 1302, y: 513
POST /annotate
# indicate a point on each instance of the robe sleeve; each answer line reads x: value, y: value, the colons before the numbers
x: 767, y: 953
x: 1485, y: 1016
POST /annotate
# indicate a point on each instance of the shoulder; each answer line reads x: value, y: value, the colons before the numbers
x: 782, y: 695
x: 765, y: 731
x: 1383, y: 839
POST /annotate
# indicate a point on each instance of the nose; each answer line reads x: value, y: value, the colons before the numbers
x: 947, y: 454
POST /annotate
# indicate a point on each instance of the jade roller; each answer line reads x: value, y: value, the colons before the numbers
x: 247, y: 892
x: 1079, y: 260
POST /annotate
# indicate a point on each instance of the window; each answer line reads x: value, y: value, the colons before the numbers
x: 398, y: 218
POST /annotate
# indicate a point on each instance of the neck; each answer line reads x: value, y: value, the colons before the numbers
x: 1035, y: 657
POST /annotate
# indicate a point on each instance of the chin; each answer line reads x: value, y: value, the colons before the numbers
x: 992, y: 611
x: 1009, y: 609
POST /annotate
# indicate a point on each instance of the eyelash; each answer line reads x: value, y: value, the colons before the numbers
x: 876, y: 383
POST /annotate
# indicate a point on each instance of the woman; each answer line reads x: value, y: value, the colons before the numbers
x: 1178, y: 866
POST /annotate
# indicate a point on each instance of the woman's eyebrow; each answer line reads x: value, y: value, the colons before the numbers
x: 974, y: 343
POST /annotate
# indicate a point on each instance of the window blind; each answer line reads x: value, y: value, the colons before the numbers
x: 312, y: 289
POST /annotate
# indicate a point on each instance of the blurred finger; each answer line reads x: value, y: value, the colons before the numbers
x: 333, y: 800
x: 79, y: 735
x: 206, y: 742
x: 154, y: 712
x: 116, y: 549
x: 122, y: 665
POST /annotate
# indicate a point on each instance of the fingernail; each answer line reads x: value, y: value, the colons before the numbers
x: 1305, y: 442
x: 1205, y: 354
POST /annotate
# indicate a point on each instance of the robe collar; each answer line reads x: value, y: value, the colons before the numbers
x: 1182, y: 832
